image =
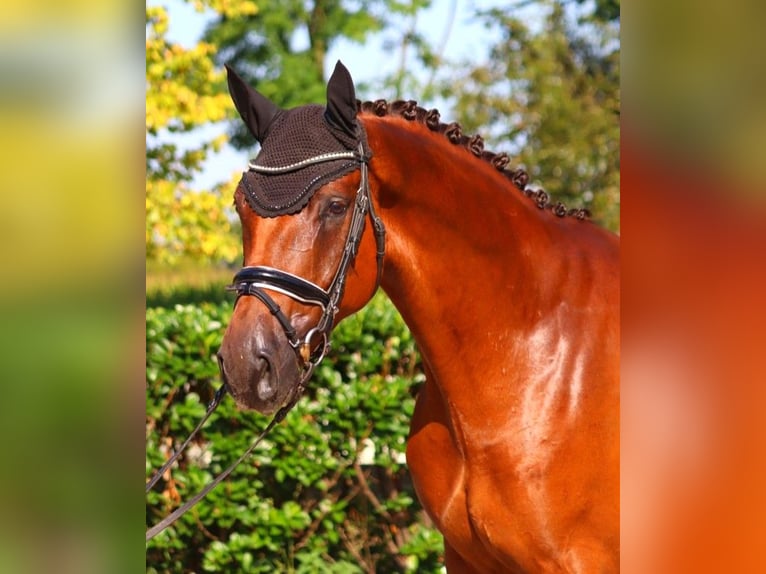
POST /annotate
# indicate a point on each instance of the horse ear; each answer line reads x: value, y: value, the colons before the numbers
x: 257, y: 111
x: 341, y: 101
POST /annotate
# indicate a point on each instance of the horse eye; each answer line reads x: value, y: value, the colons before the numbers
x: 336, y: 207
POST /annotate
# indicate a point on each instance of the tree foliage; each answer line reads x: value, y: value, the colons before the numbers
x: 283, y: 47
x: 184, y: 92
x: 553, y: 94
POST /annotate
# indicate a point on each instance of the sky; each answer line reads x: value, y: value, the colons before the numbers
x: 468, y: 40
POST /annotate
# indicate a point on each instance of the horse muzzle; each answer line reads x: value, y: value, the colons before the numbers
x: 258, y: 366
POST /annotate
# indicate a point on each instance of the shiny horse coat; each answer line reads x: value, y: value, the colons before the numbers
x: 514, y: 444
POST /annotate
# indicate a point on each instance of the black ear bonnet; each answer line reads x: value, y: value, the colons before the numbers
x: 289, y: 137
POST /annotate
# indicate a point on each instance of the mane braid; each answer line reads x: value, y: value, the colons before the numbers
x: 410, y: 111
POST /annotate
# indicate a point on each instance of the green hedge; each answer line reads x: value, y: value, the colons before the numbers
x: 313, y: 497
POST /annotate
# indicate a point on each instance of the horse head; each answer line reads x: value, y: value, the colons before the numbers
x: 303, y: 205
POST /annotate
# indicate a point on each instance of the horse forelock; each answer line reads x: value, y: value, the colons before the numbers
x: 411, y: 111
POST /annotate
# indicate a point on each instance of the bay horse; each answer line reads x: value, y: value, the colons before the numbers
x: 513, y: 302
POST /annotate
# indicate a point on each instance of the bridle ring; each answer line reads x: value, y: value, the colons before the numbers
x: 307, y: 346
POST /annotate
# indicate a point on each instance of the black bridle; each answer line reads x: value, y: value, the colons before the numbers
x: 256, y: 280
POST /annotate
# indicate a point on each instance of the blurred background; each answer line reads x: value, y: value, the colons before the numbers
x: 71, y: 318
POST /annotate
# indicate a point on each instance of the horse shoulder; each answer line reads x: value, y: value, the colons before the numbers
x: 437, y: 466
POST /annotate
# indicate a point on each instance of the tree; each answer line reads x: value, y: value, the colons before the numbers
x: 184, y: 91
x: 283, y: 47
x: 554, y: 94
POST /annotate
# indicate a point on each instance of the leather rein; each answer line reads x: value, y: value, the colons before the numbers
x: 256, y: 280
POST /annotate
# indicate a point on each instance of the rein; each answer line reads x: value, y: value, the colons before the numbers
x: 254, y: 280
x: 278, y: 417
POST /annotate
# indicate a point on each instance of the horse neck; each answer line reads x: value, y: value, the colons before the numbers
x: 467, y: 252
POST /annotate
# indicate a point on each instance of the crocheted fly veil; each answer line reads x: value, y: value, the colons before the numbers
x: 290, y: 137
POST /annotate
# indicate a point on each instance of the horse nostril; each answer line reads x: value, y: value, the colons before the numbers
x: 265, y: 385
x: 254, y: 373
x: 262, y: 366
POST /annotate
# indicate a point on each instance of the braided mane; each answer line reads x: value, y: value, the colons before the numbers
x: 409, y: 110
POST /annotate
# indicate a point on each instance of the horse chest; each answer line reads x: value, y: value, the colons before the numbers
x: 441, y: 480
x: 481, y: 510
